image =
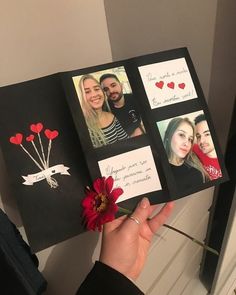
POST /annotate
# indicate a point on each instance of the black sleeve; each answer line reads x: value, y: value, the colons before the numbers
x: 105, y: 280
x: 18, y: 266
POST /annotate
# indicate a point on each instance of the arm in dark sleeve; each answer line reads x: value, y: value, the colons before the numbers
x: 105, y: 280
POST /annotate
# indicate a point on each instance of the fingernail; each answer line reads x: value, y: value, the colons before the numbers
x: 171, y: 204
x: 144, y: 203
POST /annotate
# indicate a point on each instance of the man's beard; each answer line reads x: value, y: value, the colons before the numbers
x: 206, y: 149
x: 118, y: 98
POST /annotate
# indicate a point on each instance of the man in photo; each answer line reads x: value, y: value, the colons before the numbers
x: 205, y: 149
x: 123, y: 106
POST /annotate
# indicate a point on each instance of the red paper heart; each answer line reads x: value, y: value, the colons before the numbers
x: 17, y: 139
x: 159, y: 84
x: 30, y: 137
x: 181, y: 85
x: 171, y: 85
x: 51, y: 134
x: 37, y: 128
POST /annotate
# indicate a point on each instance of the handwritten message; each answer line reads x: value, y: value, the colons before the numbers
x: 167, y: 82
x: 135, y: 172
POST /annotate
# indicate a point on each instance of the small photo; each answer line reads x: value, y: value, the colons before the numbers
x: 190, y: 149
x: 109, y: 106
x: 167, y: 82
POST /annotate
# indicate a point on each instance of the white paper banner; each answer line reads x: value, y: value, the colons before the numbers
x: 30, y: 179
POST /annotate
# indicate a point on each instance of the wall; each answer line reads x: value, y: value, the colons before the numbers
x: 223, y: 88
x: 146, y: 26
x: 39, y: 38
x: 43, y: 37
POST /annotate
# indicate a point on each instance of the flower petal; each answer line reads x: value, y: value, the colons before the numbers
x: 88, y: 200
x: 116, y: 193
x: 109, y: 184
x: 112, y: 210
x: 100, y: 203
x: 99, y: 184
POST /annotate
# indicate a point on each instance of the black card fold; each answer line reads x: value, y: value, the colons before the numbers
x: 50, y: 214
x: 50, y: 155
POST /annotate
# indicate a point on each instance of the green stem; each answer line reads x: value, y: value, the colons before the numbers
x: 192, y: 239
x: 127, y: 211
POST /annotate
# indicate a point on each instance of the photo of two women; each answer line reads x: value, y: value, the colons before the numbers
x: 190, y: 149
x: 108, y: 106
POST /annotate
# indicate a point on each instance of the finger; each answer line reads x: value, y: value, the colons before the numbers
x: 152, y: 210
x: 157, y: 220
x: 110, y: 226
x: 139, y: 215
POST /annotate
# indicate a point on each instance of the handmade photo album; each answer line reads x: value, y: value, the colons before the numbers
x: 144, y: 121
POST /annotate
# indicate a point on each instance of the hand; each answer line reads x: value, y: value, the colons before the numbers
x: 125, y: 243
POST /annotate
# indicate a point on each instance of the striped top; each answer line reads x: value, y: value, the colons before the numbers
x: 112, y: 133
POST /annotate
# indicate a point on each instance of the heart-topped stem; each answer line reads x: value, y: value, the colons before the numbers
x: 31, y: 157
x: 41, y: 146
x: 37, y: 152
x: 50, y: 135
x: 49, y: 150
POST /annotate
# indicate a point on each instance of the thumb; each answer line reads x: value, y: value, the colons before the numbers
x: 140, y: 214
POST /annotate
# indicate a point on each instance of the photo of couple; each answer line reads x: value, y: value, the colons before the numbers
x: 110, y: 112
x: 190, y: 150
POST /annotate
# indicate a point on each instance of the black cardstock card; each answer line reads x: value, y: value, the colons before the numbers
x: 60, y: 132
x: 50, y: 207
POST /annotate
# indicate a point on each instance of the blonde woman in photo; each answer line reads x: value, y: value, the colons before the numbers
x: 178, y: 142
x: 103, y: 126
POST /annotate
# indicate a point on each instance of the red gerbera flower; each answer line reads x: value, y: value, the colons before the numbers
x: 99, y: 203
